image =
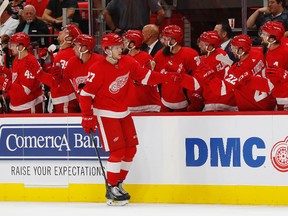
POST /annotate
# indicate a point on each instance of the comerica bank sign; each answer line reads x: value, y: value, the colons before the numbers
x: 39, y: 141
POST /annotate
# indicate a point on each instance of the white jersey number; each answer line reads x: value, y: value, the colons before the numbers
x: 29, y: 75
x: 90, y: 76
x: 231, y: 79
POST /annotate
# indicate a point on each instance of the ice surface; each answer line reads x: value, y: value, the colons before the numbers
x: 134, y: 209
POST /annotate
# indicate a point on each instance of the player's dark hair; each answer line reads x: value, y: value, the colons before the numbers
x: 283, y: 2
x: 166, y: 51
x: 226, y: 28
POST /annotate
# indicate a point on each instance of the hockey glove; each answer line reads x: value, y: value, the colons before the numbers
x: 57, y: 72
x: 89, y: 124
x: 196, y: 103
x: 5, y: 84
x: 43, y: 53
x: 5, y: 71
x: 174, y: 67
x: 243, y: 79
x: 277, y: 75
x: 204, y: 72
x: 171, y: 77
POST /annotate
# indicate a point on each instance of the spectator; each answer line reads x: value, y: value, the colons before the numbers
x: 276, y: 58
x: 174, y: 97
x: 131, y: 14
x: 152, y: 44
x: 215, y: 57
x: 225, y: 32
x: 33, y: 26
x: 275, y: 11
x: 142, y: 98
x: 244, y: 78
x: 53, y: 12
x: 8, y: 24
x: 20, y: 84
x: 39, y: 5
x: 17, y: 7
x: 5, y: 57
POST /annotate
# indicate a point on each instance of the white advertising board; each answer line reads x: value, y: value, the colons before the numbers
x: 180, y: 150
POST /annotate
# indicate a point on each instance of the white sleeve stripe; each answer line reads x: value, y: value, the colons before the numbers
x: 26, y: 90
x: 271, y: 86
x: 84, y: 93
x: 196, y: 84
x: 223, y: 89
x: 146, y: 78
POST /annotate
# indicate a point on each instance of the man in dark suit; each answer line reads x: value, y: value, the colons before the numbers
x: 225, y: 32
x: 34, y: 26
x: 152, y: 44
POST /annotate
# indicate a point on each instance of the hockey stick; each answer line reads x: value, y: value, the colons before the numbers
x: 100, y: 161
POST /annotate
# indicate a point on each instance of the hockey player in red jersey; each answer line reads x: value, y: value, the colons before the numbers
x: 173, y: 96
x: 244, y: 78
x: 217, y: 59
x: 20, y: 84
x: 77, y: 67
x: 63, y: 97
x: 104, y: 97
x: 276, y: 60
x: 142, y: 98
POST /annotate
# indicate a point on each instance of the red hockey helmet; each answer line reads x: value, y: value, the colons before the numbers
x: 85, y: 40
x: 111, y: 39
x: 73, y: 30
x: 242, y: 41
x: 20, y: 38
x: 210, y: 37
x: 135, y: 36
x: 274, y: 28
x: 173, y: 31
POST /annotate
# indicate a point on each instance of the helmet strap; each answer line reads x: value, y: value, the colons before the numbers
x: 130, y: 48
x: 19, y: 52
x: 239, y: 55
x: 209, y: 51
x: 270, y: 43
x: 65, y: 41
x: 110, y: 56
x: 171, y: 46
x: 81, y: 53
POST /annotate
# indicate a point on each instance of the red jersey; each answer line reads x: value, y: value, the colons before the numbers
x: 246, y: 95
x: 26, y: 91
x: 212, y: 101
x: 63, y: 93
x: 77, y: 72
x: 172, y: 95
x: 144, y: 98
x: 108, y: 85
x: 278, y: 58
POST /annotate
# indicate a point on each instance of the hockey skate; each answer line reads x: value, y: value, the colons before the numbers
x: 115, y: 197
x: 122, y: 190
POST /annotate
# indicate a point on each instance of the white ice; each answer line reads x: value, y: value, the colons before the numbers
x: 134, y: 209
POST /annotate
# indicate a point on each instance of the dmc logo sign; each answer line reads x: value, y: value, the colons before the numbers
x: 225, y: 154
x: 279, y: 155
